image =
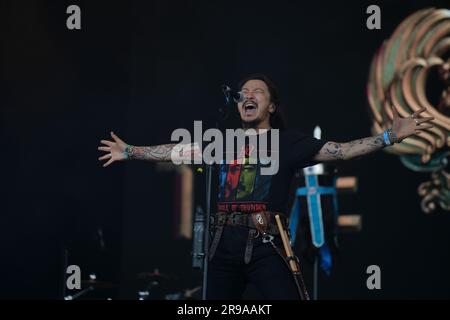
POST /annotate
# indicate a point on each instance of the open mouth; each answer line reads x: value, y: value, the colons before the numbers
x: 249, y: 108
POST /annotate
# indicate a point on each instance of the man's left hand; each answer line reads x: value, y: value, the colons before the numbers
x: 414, y: 124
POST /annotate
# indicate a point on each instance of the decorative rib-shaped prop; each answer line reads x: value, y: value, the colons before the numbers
x: 411, y: 70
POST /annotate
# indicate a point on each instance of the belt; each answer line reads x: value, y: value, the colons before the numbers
x: 263, y: 221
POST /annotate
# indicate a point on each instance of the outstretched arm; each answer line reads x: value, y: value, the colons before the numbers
x: 118, y: 150
x: 152, y: 153
x: 332, y: 151
x: 401, y: 129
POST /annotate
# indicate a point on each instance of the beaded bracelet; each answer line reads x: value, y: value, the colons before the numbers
x: 128, y: 152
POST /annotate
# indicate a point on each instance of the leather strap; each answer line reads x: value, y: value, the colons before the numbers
x: 215, y: 242
x: 249, y: 246
x: 298, y: 277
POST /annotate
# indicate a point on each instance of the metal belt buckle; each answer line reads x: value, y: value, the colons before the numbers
x: 221, y: 219
x: 267, y: 238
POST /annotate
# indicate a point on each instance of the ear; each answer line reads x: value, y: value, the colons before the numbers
x: 272, y: 108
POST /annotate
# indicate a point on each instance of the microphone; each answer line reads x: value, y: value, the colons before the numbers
x: 229, y: 93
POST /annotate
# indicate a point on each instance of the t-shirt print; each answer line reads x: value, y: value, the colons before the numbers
x: 242, y: 186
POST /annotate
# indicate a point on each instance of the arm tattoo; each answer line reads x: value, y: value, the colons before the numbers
x: 344, y: 151
x: 334, y: 150
x: 153, y: 153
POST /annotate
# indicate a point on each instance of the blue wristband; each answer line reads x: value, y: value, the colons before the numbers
x: 386, y: 138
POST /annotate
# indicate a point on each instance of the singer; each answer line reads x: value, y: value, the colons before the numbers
x: 245, y: 242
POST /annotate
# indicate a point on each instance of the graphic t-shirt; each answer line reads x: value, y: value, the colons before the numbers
x: 242, y: 187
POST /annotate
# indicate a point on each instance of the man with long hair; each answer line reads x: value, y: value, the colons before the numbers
x: 246, y: 246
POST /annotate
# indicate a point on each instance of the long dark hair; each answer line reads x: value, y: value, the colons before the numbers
x: 277, y: 119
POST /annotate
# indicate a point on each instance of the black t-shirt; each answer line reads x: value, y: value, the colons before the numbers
x: 242, y: 187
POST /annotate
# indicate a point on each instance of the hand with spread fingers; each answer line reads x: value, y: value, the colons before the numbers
x: 405, y: 127
x: 115, y: 150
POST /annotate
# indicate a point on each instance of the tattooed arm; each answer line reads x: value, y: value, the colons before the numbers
x: 401, y: 129
x: 153, y: 153
x: 332, y: 151
x: 118, y: 150
x: 175, y: 152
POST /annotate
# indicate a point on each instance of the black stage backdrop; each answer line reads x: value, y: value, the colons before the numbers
x: 145, y: 68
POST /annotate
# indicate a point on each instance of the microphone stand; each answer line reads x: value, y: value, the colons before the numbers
x: 223, y: 114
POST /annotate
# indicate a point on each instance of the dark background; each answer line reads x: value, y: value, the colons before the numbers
x: 145, y: 68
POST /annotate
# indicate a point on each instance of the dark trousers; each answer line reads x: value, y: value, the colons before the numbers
x: 228, y: 275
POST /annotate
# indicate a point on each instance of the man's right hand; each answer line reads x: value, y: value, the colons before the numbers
x: 115, y: 150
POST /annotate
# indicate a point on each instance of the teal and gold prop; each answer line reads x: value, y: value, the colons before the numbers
x: 411, y: 70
